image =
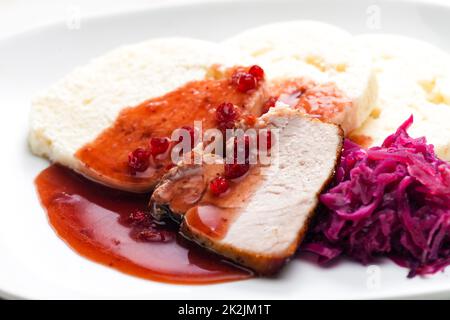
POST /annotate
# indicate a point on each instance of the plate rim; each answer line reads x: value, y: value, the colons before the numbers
x: 427, y: 293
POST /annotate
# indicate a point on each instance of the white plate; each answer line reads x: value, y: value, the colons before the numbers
x: 35, y: 263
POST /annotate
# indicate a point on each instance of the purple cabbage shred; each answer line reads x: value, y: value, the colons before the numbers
x: 392, y: 201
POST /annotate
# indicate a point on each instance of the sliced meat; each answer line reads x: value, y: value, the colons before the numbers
x: 263, y: 217
x: 183, y: 187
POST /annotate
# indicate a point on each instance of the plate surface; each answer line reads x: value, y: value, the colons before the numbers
x: 35, y: 263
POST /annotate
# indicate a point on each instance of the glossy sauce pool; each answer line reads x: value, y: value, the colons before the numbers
x: 93, y: 220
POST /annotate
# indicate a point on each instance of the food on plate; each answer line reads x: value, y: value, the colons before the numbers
x: 317, y: 55
x: 184, y: 186
x: 92, y: 119
x: 263, y: 215
x: 260, y: 119
x: 136, y: 150
x: 392, y: 200
x: 413, y: 78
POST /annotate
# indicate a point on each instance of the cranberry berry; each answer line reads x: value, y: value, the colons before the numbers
x: 218, y: 186
x: 257, y: 72
x: 158, y: 145
x: 226, y: 115
x: 234, y: 170
x: 245, y: 82
x: 139, y: 160
x: 227, y: 112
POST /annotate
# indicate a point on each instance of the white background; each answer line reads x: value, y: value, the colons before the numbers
x: 20, y: 15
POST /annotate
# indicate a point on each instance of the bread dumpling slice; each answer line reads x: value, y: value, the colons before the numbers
x: 93, y: 118
x: 414, y: 79
x: 321, y: 57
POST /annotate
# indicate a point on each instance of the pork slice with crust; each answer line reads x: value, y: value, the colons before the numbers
x: 260, y: 221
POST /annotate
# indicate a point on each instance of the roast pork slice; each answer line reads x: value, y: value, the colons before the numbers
x: 183, y: 187
x: 264, y: 215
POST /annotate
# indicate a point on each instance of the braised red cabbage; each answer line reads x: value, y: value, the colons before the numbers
x: 392, y: 200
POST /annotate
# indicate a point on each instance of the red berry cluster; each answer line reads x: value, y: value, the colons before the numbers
x: 143, y: 228
x: 248, y: 80
x: 226, y: 115
x: 139, y: 159
x: 220, y: 184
